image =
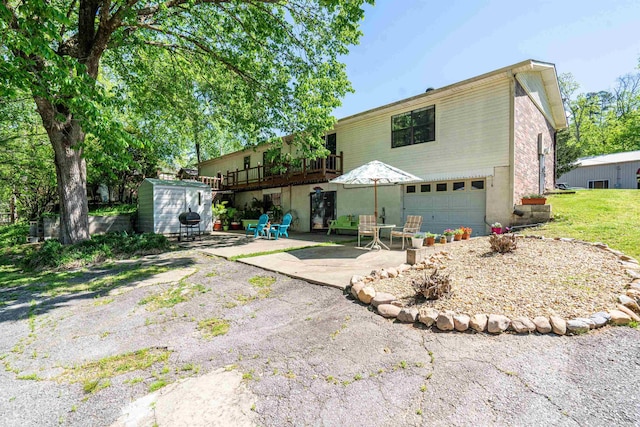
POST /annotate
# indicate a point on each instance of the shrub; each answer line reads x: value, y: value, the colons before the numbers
x: 13, y: 234
x: 503, y: 243
x: 432, y: 287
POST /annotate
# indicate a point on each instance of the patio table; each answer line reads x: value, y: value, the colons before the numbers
x: 376, y: 243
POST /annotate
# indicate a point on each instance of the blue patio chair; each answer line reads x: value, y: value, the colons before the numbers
x: 281, y: 229
x: 259, y: 229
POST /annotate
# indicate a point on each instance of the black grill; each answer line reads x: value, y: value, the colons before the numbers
x: 189, y: 225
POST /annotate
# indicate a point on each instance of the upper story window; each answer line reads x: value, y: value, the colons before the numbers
x: 413, y: 127
x: 247, y: 162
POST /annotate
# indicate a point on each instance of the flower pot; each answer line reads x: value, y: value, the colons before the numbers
x: 449, y: 239
x: 430, y: 241
x: 443, y: 240
x: 496, y: 230
x: 416, y: 242
x: 236, y: 226
x: 225, y: 227
x: 217, y: 225
x: 538, y: 201
x: 457, y: 237
x: 465, y: 236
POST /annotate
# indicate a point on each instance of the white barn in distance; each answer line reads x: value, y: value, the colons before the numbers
x: 618, y: 170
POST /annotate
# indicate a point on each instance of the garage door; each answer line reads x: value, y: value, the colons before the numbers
x: 450, y: 204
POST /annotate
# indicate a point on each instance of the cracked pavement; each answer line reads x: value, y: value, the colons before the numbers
x: 305, y: 355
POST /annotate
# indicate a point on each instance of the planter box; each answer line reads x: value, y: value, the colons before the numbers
x: 540, y: 201
x: 97, y: 225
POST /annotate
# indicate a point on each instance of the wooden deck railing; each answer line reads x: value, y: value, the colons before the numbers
x: 307, y: 171
x: 214, y: 182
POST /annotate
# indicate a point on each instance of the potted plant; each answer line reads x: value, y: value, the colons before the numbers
x: 234, y: 218
x: 533, y: 199
x: 458, y: 232
x: 448, y: 234
x: 416, y: 240
x: 466, y: 232
x: 496, y: 228
x: 429, y: 239
x: 219, y: 211
x: 443, y: 239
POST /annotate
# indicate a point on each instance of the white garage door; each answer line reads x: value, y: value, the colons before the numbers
x: 450, y: 204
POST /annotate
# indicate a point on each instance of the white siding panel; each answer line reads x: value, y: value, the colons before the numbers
x: 472, y: 132
x: 532, y: 82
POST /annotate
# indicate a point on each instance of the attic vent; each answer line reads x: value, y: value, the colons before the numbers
x: 429, y: 89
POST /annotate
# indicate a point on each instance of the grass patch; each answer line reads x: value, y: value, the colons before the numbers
x: 213, y: 327
x: 277, y: 251
x: 263, y: 285
x: 32, y: 377
x: 596, y: 216
x: 13, y: 234
x: 172, y: 296
x: 157, y: 385
x: 95, y: 375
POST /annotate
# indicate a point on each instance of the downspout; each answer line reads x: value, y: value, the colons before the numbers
x: 512, y: 151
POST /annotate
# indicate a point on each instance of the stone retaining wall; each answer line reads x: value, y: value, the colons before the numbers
x: 97, y: 225
x: 532, y: 214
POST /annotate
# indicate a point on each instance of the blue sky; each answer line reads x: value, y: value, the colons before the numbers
x: 410, y: 45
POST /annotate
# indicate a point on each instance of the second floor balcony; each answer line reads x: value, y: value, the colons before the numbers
x: 301, y: 172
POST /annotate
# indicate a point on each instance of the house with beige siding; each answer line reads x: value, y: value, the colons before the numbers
x: 478, y: 145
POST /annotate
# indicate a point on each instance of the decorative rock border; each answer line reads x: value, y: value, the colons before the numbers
x: 388, y: 306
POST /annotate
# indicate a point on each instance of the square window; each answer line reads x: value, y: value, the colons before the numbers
x: 441, y: 187
x: 477, y: 185
x: 413, y: 127
x: 411, y: 188
x: 425, y: 188
x: 458, y: 186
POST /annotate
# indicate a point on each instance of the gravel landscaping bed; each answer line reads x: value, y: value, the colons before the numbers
x: 540, y: 278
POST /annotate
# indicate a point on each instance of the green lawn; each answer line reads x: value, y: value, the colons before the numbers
x: 609, y: 216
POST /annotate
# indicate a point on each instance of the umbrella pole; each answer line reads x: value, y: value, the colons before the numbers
x: 375, y: 197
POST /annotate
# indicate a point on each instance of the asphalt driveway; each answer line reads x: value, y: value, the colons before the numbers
x: 294, y: 354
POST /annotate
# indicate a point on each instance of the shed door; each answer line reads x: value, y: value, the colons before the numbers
x: 450, y: 204
x: 169, y: 203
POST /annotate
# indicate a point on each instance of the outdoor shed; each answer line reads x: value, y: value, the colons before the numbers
x: 160, y: 203
x: 618, y: 170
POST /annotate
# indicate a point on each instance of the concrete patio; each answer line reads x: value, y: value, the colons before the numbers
x: 301, y: 255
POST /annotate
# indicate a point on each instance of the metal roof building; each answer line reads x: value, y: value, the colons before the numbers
x: 617, y: 170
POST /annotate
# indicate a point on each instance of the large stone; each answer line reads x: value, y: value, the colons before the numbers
x: 633, y: 293
x: 403, y: 267
x: 599, y: 320
x: 392, y: 272
x: 479, y: 322
x: 408, y: 315
x: 444, y: 322
x: 384, y: 274
x: 461, y: 322
x: 588, y: 321
x: 577, y: 326
x: 523, y: 325
x: 382, y: 298
x: 366, y: 294
x: 619, y: 318
x: 628, y: 302
x: 627, y: 258
x: 542, y: 324
x: 428, y: 316
x: 356, y: 288
x: 629, y: 312
x: 633, y: 273
x: 356, y: 278
x: 389, y: 310
x: 558, y: 325
x: 498, y: 323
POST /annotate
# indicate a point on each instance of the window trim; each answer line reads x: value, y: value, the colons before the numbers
x: 591, y: 184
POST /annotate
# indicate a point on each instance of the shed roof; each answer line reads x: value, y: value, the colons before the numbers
x: 606, y: 159
x: 176, y: 183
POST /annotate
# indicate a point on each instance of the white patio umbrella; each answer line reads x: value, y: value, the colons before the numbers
x: 376, y: 172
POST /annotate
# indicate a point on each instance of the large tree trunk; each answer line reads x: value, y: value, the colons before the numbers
x: 71, y: 171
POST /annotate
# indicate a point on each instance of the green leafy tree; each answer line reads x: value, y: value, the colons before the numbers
x: 266, y: 67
